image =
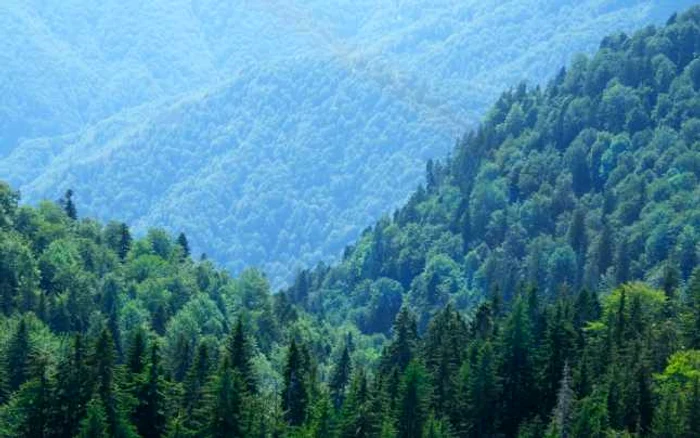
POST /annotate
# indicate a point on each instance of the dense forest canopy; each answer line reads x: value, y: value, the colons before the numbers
x: 271, y: 132
x: 544, y: 282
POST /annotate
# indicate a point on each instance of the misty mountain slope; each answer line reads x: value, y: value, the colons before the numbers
x: 250, y: 182
x: 266, y: 129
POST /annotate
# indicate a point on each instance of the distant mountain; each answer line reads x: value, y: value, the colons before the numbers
x: 269, y: 132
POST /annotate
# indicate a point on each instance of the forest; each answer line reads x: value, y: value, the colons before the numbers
x: 271, y: 132
x: 543, y: 282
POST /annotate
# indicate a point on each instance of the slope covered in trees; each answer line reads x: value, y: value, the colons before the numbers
x: 236, y: 130
x: 412, y: 335
x: 589, y: 182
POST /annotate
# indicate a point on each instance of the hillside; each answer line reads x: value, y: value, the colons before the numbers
x: 588, y: 183
x: 501, y: 301
x: 231, y: 130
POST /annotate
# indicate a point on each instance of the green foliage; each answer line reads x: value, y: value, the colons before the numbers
x: 497, y: 282
x: 147, y: 124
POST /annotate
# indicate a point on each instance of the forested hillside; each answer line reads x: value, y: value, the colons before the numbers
x: 543, y: 283
x: 232, y: 121
x: 590, y: 182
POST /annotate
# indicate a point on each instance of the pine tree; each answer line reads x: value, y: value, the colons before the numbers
x: 562, y: 417
x: 69, y: 205
x: 295, y: 395
x: 668, y: 419
x: 693, y: 411
x: 401, y: 350
x: 557, y: 349
x: 323, y: 417
x: 103, y: 358
x: 124, y: 242
x: 182, y: 357
x: 73, y: 390
x: 605, y: 249
x: 224, y: 405
x: 184, y: 245
x: 18, y: 356
x: 240, y: 355
x: 694, y: 310
x: 136, y: 353
x: 149, y: 416
x: 414, y: 401
x: 483, y: 392
x: 341, y: 378
x: 33, y: 402
x: 591, y: 419
x: 194, y: 389
x: 355, y: 419
x: 517, y: 368
x: 94, y: 425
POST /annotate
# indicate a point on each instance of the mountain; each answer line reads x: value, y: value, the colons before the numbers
x: 231, y: 121
x: 544, y: 282
x: 589, y: 183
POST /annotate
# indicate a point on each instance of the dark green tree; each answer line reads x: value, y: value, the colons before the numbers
x: 295, y: 395
x: 341, y: 377
x: 17, y: 356
x: 184, y: 245
x: 414, y: 398
x: 224, y: 407
x: 240, y: 353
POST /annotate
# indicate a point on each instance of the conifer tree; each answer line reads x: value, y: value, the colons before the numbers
x: 517, y: 368
x: 194, y: 389
x: 483, y: 392
x: 184, y: 245
x: 401, y: 350
x: 562, y: 417
x: 240, y: 355
x: 136, y: 354
x: 94, y: 425
x: 225, y: 404
x: 341, y: 377
x: 414, y: 401
x: 18, y: 356
x: 73, y: 390
x: 355, y: 420
x: 69, y: 205
x: 124, y: 242
x: 33, y: 403
x: 295, y: 395
x: 149, y: 415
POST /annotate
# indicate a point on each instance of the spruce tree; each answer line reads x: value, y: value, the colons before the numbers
x: 184, y: 245
x: 693, y: 411
x: 149, y: 415
x: 354, y: 418
x: 73, y: 390
x: 33, y: 404
x: 240, y: 355
x: 402, y: 348
x: 295, y: 395
x: 94, y: 425
x: 562, y: 416
x: 517, y: 368
x: 341, y: 377
x: 124, y: 242
x: 414, y: 401
x: 18, y: 356
x: 224, y: 408
x: 483, y: 392
x: 194, y: 389
x: 69, y: 205
x: 136, y: 353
